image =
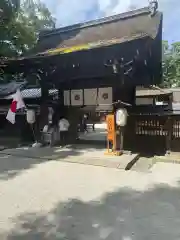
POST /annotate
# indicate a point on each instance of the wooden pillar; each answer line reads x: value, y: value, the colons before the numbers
x: 169, y: 127
x: 61, y: 94
x: 122, y: 139
x: 133, y: 95
x: 73, y: 117
x: 44, y: 100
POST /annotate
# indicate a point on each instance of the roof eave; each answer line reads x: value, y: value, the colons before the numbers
x: 79, y: 26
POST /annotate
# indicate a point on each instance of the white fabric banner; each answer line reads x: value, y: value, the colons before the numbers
x: 18, y: 98
x: 105, y: 96
x: 90, y: 97
x: 67, y: 98
x: 11, y: 116
x: 77, y: 97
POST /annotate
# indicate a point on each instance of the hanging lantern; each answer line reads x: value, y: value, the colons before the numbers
x: 30, y: 116
x: 50, y: 114
x: 121, y: 117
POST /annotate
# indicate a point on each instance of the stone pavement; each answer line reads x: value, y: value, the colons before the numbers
x: 144, y: 164
x: 51, y: 200
x: 82, y: 154
x: 44, y: 198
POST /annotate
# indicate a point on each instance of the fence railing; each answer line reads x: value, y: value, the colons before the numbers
x: 153, y: 133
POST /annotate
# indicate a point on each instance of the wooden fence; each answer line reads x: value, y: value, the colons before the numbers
x: 152, y: 133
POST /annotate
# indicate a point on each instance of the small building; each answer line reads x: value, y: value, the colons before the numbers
x: 21, y: 130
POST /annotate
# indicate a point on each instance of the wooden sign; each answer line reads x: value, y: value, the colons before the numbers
x: 111, y: 131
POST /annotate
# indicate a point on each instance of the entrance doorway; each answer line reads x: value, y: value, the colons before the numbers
x: 92, y: 126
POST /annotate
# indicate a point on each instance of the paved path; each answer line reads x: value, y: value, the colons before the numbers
x: 100, y: 133
x: 50, y: 200
x: 21, y: 158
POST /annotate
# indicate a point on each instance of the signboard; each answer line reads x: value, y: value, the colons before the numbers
x: 110, y: 127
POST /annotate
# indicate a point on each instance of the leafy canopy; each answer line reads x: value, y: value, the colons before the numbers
x: 171, y: 64
x: 20, y: 25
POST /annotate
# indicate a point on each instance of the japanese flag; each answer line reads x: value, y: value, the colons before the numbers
x: 17, y: 103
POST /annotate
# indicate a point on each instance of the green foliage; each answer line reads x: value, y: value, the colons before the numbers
x: 8, y: 10
x: 171, y: 64
x: 20, y: 25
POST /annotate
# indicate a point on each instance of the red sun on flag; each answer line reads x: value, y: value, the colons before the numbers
x: 14, y: 106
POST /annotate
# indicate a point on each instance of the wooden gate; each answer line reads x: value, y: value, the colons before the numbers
x: 175, y: 135
x: 146, y: 133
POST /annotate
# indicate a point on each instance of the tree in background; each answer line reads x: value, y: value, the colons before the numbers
x: 171, y: 64
x: 8, y: 14
x: 20, y: 25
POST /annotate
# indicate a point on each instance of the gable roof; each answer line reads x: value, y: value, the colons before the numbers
x: 121, y: 27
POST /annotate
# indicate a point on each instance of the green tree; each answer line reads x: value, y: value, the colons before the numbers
x: 35, y: 16
x: 19, y: 30
x: 171, y: 64
x: 8, y: 10
x: 176, y: 48
x: 8, y: 14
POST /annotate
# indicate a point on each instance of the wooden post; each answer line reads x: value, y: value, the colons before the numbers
x: 169, y: 134
x: 44, y: 100
x: 121, y: 139
x: 73, y: 117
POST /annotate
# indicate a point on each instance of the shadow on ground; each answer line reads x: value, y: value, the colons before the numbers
x: 14, y: 161
x: 123, y: 215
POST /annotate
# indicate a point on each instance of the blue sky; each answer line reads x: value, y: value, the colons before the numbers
x: 69, y: 12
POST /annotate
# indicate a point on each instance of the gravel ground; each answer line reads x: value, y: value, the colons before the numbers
x: 54, y: 200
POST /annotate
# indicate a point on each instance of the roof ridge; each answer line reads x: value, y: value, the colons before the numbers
x: 120, y: 16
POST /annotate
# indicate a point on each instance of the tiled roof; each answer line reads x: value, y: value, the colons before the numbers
x: 32, y: 93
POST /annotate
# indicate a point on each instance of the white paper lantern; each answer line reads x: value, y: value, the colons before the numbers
x: 50, y: 114
x: 121, y: 117
x: 67, y: 98
x: 30, y: 116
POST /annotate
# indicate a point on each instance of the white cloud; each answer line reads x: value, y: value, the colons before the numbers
x: 74, y: 11
x: 69, y: 12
